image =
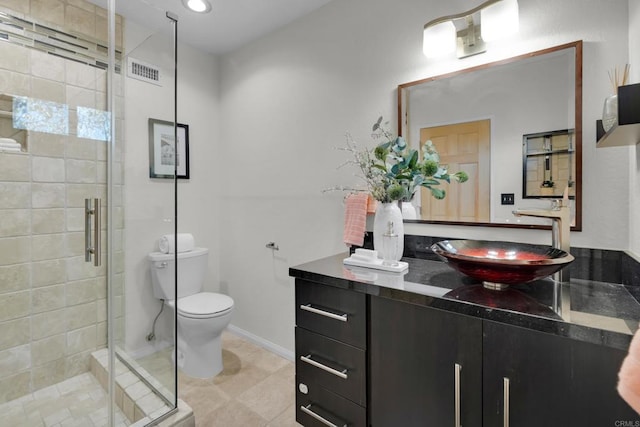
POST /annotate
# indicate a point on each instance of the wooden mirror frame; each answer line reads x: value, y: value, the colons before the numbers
x: 577, y: 45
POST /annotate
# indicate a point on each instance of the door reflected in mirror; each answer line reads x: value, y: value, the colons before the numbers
x: 527, y: 95
x: 462, y: 147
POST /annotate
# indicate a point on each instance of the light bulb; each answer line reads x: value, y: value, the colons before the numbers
x: 499, y: 20
x: 439, y: 39
x: 199, y: 6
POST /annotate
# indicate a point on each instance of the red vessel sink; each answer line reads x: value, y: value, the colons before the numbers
x: 499, y: 264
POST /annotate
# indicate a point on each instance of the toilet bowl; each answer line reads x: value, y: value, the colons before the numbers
x: 201, y: 319
x: 202, y: 316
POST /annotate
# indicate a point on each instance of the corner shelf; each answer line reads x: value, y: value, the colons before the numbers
x: 627, y: 131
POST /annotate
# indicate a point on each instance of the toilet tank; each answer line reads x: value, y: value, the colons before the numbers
x: 192, y: 267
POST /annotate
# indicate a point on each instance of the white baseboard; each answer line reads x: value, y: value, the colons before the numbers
x: 267, y: 345
x: 156, y: 346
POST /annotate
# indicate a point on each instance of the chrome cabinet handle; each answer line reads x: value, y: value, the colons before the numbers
x: 456, y: 374
x: 505, y: 404
x: 308, y: 307
x: 307, y: 359
x: 320, y: 418
x: 92, y: 248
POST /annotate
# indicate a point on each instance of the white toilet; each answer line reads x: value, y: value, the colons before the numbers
x: 202, y: 316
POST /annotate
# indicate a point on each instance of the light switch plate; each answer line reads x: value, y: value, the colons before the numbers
x: 507, y: 198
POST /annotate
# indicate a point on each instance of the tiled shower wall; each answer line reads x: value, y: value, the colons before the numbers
x: 53, y: 305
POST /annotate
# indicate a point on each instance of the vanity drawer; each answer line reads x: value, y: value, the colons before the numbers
x: 319, y: 407
x: 336, y: 366
x: 334, y: 312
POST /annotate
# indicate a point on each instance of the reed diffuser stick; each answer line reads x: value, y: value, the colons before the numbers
x: 618, y: 77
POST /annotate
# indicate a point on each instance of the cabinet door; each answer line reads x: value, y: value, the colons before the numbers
x: 594, y: 399
x: 414, y: 353
x: 526, y: 377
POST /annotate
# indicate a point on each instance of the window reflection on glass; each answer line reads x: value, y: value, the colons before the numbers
x: 94, y: 124
x: 40, y: 116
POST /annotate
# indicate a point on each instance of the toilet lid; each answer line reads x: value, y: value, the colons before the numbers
x: 204, y: 303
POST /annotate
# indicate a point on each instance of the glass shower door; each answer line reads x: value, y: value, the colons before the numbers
x: 145, y: 341
x: 69, y: 289
x: 55, y: 131
x: 144, y: 379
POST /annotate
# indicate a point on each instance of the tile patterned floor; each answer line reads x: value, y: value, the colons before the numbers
x: 77, y: 402
x: 255, y: 389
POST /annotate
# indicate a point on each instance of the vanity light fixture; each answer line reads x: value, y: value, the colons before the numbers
x: 199, y: 6
x: 467, y: 32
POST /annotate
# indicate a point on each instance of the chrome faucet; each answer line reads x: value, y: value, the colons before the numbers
x: 560, y: 215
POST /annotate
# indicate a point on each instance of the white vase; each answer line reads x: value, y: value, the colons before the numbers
x: 409, y: 211
x: 610, y: 112
x: 385, y: 213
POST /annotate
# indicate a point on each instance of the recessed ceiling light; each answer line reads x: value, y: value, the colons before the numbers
x: 199, y: 6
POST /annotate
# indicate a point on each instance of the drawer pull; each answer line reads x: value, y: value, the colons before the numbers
x: 505, y: 395
x: 320, y: 418
x: 456, y: 374
x: 307, y: 359
x: 308, y: 307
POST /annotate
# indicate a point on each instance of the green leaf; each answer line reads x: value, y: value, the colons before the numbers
x: 438, y: 193
x: 381, y: 167
x: 413, y: 159
x: 461, y: 176
x: 428, y: 182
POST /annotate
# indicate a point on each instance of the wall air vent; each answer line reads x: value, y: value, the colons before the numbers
x: 140, y: 70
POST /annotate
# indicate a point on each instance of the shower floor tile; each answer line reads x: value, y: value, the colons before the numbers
x: 77, y: 402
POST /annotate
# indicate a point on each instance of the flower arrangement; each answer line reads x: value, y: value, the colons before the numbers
x: 393, y: 170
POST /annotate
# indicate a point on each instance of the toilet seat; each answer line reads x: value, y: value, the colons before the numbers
x: 203, y: 305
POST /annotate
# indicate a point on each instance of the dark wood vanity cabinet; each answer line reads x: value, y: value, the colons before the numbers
x: 552, y: 380
x: 331, y: 365
x: 526, y: 377
x: 432, y: 367
x: 420, y: 366
x: 425, y: 366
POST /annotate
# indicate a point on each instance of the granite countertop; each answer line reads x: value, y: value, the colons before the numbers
x: 587, y: 310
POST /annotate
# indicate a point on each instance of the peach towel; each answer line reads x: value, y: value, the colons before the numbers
x: 629, y: 375
x: 355, y: 217
x: 371, y: 204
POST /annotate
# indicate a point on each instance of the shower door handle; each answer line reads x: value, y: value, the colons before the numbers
x: 92, y: 245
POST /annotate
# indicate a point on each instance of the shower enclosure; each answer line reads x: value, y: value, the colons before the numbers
x: 82, y: 341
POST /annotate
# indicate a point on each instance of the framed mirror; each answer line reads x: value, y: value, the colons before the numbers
x: 480, y: 120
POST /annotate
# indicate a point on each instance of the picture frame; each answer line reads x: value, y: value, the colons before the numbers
x: 162, y: 150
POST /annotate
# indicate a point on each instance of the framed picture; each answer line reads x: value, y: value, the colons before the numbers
x: 167, y: 156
